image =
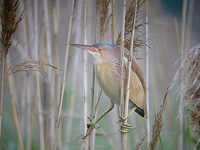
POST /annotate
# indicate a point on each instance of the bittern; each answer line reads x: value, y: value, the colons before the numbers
x: 109, y: 75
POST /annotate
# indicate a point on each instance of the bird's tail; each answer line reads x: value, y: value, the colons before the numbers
x: 140, y: 111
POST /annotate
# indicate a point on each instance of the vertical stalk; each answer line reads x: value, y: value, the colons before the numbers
x: 72, y: 97
x: 28, y: 46
x: 85, y: 79
x: 128, y: 77
x: 189, y: 24
x: 180, y: 135
x: 55, y: 74
x: 49, y: 90
x: 38, y: 95
x: 28, y: 110
x: 38, y: 99
x: 113, y: 22
x: 147, y: 78
x: 51, y: 113
x: 122, y: 65
x: 92, y: 135
x: 2, y: 85
x: 64, y: 77
x: 48, y: 37
x: 13, y: 100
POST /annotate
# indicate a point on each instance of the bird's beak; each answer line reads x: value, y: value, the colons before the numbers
x: 88, y: 48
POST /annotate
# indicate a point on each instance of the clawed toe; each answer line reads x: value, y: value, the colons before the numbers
x: 122, y: 117
x: 123, y: 131
x: 125, y: 126
x: 90, y: 126
x: 128, y: 126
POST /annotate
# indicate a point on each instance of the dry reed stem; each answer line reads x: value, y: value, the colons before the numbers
x: 113, y: 22
x: 92, y: 134
x: 20, y: 48
x: 38, y: 93
x: 56, y: 17
x: 85, y: 74
x: 15, y: 115
x: 126, y: 103
x: 2, y: 85
x: 49, y: 69
x: 56, y: 77
x: 180, y: 119
x: 48, y: 37
x: 28, y: 38
x: 189, y: 23
x: 158, y: 123
x: 177, y: 34
x: 147, y: 79
x: 25, y: 121
x: 64, y: 77
x: 51, y: 133
x: 40, y: 116
x: 122, y: 67
x: 72, y: 98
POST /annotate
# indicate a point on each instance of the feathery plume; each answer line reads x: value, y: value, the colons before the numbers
x: 138, y: 41
x: 102, y: 8
x: 158, y: 123
x: 9, y: 24
x: 190, y: 83
x: 29, y: 65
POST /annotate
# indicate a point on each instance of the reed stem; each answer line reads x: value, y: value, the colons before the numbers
x: 14, y: 99
x: 147, y: 78
x: 126, y: 103
x: 85, y: 78
x: 2, y: 86
x: 64, y: 78
x: 180, y: 135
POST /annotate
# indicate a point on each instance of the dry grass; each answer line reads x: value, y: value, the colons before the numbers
x: 140, y: 143
x: 190, y: 82
x: 9, y: 24
x: 29, y: 65
x: 138, y: 41
x: 158, y: 123
x: 102, y: 8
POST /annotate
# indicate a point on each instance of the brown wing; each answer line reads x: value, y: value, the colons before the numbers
x: 139, y: 73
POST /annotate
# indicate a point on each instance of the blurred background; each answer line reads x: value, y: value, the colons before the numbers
x: 53, y: 19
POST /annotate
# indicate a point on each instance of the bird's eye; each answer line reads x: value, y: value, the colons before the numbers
x: 100, y: 49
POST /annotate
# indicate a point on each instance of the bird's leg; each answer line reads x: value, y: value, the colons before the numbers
x: 130, y: 113
x: 127, y: 126
x: 92, y: 125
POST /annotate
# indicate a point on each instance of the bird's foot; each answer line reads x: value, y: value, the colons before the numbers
x: 90, y: 126
x: 122, y: 118
x: 124, y: 128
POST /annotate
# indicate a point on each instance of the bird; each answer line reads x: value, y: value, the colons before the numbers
x: 110, y: 75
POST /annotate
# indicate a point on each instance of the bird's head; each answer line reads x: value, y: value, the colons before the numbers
x: 101, y: 51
